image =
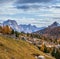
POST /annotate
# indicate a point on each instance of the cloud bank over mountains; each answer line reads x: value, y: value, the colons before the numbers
x: 36, y: 12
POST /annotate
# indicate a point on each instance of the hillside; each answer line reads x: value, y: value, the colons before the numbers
x: 51, y: 31
x: 18, y: 49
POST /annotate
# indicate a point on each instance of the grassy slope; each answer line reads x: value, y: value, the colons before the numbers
x: 17, y: 49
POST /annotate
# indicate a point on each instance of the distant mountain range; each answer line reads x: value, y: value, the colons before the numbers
x: 29, y: 28
x: 51, y: 31
x: 21, y: 28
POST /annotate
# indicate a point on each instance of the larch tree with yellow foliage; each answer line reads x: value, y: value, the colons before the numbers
x: 7, y: 29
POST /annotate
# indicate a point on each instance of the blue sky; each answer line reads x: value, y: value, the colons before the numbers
x: 36, y: 12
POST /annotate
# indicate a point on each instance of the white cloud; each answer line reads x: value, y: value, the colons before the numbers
x: 42, y: 16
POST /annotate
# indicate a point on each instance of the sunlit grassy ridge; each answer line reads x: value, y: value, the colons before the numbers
x: 18, y: 49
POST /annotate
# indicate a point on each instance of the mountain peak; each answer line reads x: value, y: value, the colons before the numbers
x: 55, y: 24
x: 11, y: 20
x: 13, y: 24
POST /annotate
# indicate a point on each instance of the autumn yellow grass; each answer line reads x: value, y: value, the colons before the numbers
x: 18, y: 49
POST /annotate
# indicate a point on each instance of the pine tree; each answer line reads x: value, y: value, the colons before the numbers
x: 16, y: 34
x: 12, y: 31
x: 45, y: 49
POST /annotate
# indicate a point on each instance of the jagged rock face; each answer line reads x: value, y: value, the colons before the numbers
x: 29, y: 28
x: 21, y: 28
x: 13, y: 24
x: 25, y: 28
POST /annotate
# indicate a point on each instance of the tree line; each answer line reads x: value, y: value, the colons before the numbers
x: 8, y: 30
